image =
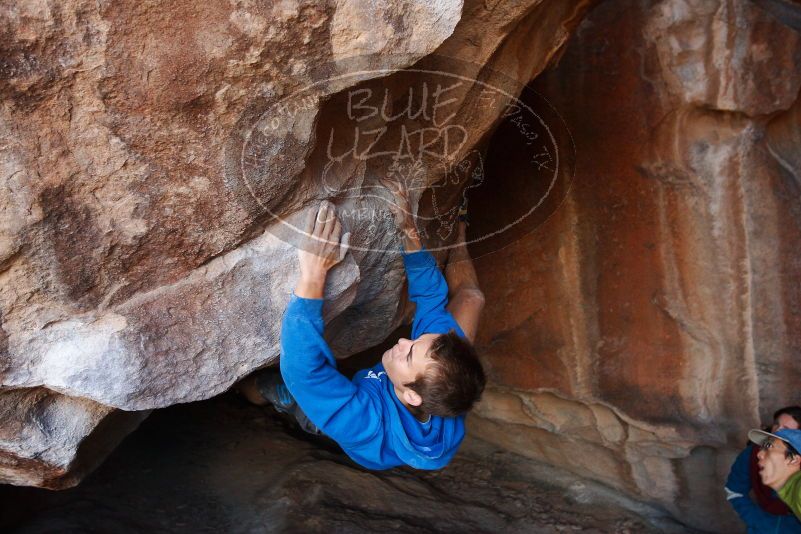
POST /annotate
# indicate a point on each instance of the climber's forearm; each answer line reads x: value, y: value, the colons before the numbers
x: 411, y: 239
x: 311, y: 285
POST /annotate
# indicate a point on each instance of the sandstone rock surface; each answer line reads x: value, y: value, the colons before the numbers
x: 43, y: 431
x: 225, y: 466
x: 639, y: 332
x: 151, y: 155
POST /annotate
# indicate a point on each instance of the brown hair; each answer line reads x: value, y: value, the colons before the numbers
x: 792, y: 411
x: 454, y: 381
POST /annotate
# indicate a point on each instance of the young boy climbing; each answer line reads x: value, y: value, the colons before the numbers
x: 410, y: 408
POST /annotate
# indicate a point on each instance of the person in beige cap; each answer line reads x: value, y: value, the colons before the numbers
x: 780, y: 464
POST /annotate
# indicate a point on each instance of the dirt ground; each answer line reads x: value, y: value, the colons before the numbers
x: 226, y: 466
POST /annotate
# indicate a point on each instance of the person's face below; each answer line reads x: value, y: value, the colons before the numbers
x: 405, y: 361
x: 774, y: 467
x: 784, y: 421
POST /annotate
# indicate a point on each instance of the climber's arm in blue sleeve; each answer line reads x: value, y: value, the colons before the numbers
x: 429, y: 291
x: 342, y: 411
x: 427, y: 286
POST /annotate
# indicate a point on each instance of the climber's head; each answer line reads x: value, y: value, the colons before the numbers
x: 437, y: 374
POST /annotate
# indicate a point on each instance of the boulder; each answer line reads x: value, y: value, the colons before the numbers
x: 52, y: 440
x: 639, y: 332
x: 157, y: 157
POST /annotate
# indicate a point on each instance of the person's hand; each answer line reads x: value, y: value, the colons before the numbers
x: 400, y: 206
x: 402, y: 210
x: 323, y: 247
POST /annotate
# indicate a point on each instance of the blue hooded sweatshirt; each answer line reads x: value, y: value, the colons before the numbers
x: 365, y: 415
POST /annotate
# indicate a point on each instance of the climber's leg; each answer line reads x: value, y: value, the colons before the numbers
x: 267, y: 387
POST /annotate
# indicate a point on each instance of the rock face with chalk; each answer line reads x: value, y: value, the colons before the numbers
x: 638, y: 334
x: 153, y: 158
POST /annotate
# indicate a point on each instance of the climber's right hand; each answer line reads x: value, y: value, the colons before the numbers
x: 322, y: 247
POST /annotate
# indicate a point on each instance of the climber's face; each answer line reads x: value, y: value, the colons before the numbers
x: 405, y: 362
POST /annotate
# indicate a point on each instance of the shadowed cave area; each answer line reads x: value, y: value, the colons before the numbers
x: 226, y: 466
x: 633, y: 181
